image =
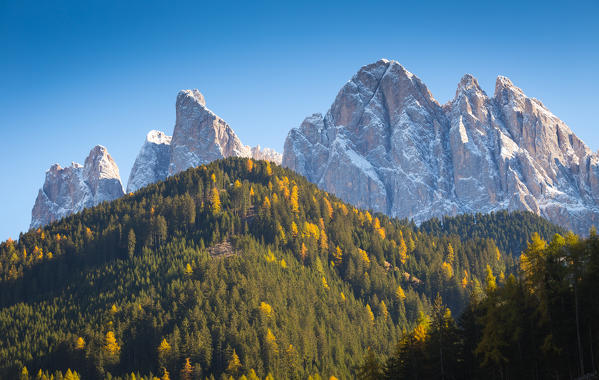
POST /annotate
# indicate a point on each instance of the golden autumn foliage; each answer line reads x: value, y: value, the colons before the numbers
x: 324, y: 283
x: 164, y: 347
x: 294, y: 230
x: 403, y: 250
x: 186, y: 371
x: 422, y: 329
x: 369, y: 313
x: 268, y: 169
x: 80, y: 343
x: 265, y: 309
x: 215, y: 205
x: 338, y: 255
x: 269, y: 256
x: 323, y: 241
x: 447, y: 270
x: 311, y: 230
x: 490, y: 281
x: 384, y: 310
x: 328, y: 208
x: 266, y: 203
x: 364, y: 255
x: 270, y: 339
x: 111, y: 346
x: 234, y: 363
x: 303, y: 252
x: 450, y: 254
x: 465, y: 280
x: 294, y: 200
x: 249, y: 165
x: 399, y: 293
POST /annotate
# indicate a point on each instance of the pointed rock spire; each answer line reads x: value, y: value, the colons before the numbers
x: 71, y: 189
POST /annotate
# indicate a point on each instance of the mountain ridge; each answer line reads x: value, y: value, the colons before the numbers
x: 387, y: 144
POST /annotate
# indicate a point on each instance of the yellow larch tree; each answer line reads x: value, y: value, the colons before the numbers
x: 215, y: 205
x: 465, y: 280
x: 186, y: 371
x: 271, y: 340
x: 369, y: 313
x: 266, y: 309
x: 294, y: 200
x: 328, y: 208
x: 399, y: 293
x: 111, y: 346
x: 338, y: 255
x: 303, y: 252
x: 364, y: 256
x: 447, y: 270
x: 234, y: 364
x: 384, y: 310
x: 80, y: 343
x: 266, y: 203
x: 450, y: 254
x: 402, y: 249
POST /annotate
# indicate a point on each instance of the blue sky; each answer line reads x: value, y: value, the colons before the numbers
x: 74, y: 74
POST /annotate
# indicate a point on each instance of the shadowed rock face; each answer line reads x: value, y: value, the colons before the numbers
x: 69, y: 190
x: 152, y: 162
x: 386, y: 144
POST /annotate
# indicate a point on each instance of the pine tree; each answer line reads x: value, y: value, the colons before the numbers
x: 234, y: 364
x: 131, y: 243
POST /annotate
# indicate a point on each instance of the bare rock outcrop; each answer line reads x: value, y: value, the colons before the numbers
x: 388, y: 145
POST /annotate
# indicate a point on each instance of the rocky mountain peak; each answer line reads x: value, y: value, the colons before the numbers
x: 386, y: 144
x: 158, y: 137
x: 152, y: 162
x: 469, y: 84
x: 71, y: 189
x: 190, y: 97
x: 99, y: 164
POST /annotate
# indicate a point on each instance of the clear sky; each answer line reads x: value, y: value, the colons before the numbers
x: 74, y: 74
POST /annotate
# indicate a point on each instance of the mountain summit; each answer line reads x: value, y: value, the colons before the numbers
x: 388, y: 145
x: 199, y: 137
x: 71, y: 189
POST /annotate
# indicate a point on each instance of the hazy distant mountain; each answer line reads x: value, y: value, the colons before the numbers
x: 388, y: 145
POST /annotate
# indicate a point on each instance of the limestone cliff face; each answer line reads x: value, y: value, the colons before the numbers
x: 388, y: 145
x: 199, y: 137
x: 71, y: 189
x: 152, y: 162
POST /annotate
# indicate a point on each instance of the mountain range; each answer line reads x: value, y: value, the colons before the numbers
x: 199, y: 137
x: 387, y: 145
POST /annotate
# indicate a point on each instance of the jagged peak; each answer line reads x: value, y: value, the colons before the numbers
x: 101, y: 162
x: 158, y: 137
x: 504, y: 86
x: 469, y: 82
x: 194, y: 95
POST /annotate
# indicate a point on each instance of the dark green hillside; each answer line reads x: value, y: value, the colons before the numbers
x: 233, y: 267
x: 510, y: 230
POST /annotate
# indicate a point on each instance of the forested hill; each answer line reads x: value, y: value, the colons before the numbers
x: 237, y: 268
x: 511, y: 231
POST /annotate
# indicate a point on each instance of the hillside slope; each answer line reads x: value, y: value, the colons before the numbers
x: 237, y: 266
